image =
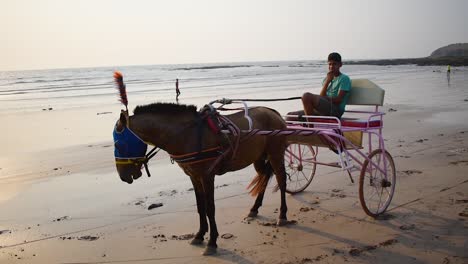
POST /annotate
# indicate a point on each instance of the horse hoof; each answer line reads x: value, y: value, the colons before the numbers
x: 253, y: 214
x: 196, y: 241
x: 209, y: 251
x: 282, y: 222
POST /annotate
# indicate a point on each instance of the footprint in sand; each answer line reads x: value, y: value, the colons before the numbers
x: 88, y: 238
x: 410, y: 172
x: 357, y: 251
x: 464, y: 214
x: 274, y: 224
x: 5, y: 232
x: 337, y: 193
x: 227, y: 236
x: 183, y: 237
x: 161, y: 237
x: 85, y: 238
x: 407, y: 227
x: 155, y: 205
x: 462, y: 162
x: 403, y: 156
x: 422, y: 140
x: 306, y: 209
x: 61, y: 218
x: 385, y: 216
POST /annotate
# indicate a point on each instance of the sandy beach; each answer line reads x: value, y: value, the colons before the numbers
x: 61, y: 200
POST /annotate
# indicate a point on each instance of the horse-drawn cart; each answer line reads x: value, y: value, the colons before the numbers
x: 215, y: 144
x: 345, y: 137
x: 306, y: 134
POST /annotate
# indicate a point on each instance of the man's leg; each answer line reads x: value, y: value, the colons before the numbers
x: 310, y: 102
x: 299, y: 115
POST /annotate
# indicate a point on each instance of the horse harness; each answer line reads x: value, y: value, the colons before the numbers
x: 216, y: 123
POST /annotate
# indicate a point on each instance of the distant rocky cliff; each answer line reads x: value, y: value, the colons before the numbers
x: 452, y: 50
x: 453, y: 54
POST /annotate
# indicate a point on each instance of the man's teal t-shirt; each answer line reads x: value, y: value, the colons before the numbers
x: 342, y: 82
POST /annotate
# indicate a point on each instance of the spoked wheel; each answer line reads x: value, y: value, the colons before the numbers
x: 299, y: 161
x: 376, y: 188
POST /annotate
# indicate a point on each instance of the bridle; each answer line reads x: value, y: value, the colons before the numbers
x: 139, y: 161
x: 135, y: 148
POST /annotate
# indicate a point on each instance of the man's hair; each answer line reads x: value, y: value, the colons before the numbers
x: 334, y: 56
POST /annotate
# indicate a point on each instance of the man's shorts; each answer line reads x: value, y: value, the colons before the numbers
x: 326, y: 108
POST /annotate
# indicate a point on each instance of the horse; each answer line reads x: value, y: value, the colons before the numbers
x: 180, y: 131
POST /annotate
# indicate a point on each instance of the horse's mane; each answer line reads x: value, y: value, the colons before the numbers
x: 166, y: 108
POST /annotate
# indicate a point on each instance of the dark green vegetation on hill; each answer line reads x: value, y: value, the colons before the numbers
x: 453, y: 54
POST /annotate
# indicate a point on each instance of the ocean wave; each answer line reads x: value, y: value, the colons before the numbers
x: 211, y: 67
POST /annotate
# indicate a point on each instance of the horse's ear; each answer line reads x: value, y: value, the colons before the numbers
x: 123, y: 118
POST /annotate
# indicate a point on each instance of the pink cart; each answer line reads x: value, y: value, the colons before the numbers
x: 345, y: 137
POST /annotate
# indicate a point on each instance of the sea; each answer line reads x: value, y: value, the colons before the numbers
x: 40, y: 90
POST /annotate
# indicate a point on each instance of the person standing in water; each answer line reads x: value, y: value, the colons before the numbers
x: 448, y: 74
x: 177, y: 89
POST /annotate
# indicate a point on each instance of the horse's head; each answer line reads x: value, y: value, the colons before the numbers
x: 129, y: 150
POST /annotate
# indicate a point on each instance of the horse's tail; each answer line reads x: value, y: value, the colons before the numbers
x: 260, y: 182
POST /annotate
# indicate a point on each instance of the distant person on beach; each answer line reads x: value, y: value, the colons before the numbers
x: 448, y: 75
x: 336, y: 87
x: 177, y: 89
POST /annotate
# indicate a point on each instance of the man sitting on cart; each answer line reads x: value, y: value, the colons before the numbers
x: 336, y: 88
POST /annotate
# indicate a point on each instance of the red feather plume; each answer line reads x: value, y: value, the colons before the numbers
x: 118, y: 78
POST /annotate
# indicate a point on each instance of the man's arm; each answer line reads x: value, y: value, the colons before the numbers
x: 326, y: 83
x: 345, y: 87
x: 339, y: 98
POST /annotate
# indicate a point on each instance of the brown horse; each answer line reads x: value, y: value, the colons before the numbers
x: 178, y: 130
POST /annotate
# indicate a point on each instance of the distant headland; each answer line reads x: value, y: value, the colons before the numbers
x: 453, y: 54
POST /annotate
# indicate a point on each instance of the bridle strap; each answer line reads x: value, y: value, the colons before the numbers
x: 148, y: 156
x: 138, y: 161
x: 124, y: 161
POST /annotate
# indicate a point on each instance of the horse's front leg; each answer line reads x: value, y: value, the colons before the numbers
x: 208, y: 187
x: 201, y: 207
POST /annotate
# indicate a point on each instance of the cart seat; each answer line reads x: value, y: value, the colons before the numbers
x: 349, y: 122
x: 363, y: 92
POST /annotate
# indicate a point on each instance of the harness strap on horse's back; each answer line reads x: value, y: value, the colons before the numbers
x: 199, y: 156
x: 216, y: 123
x: 233, y: 144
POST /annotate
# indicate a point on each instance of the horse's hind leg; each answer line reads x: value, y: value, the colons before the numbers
x: 277, y: 163
x: 201, y: 207
x: 262, y: 169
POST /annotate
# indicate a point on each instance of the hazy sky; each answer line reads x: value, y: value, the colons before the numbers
x: 37, y: 34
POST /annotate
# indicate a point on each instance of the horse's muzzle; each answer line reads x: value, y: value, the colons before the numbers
x: 128, y: 172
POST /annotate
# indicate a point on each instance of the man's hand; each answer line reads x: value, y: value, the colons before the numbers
x: 330, y: 77
x: 328, y: 80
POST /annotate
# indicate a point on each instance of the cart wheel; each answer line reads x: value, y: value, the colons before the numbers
x: 299, y: 161
x: 375, y: 188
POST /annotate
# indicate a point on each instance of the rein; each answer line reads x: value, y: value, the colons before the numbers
x: 230, y: 101
x: 148, y: 156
